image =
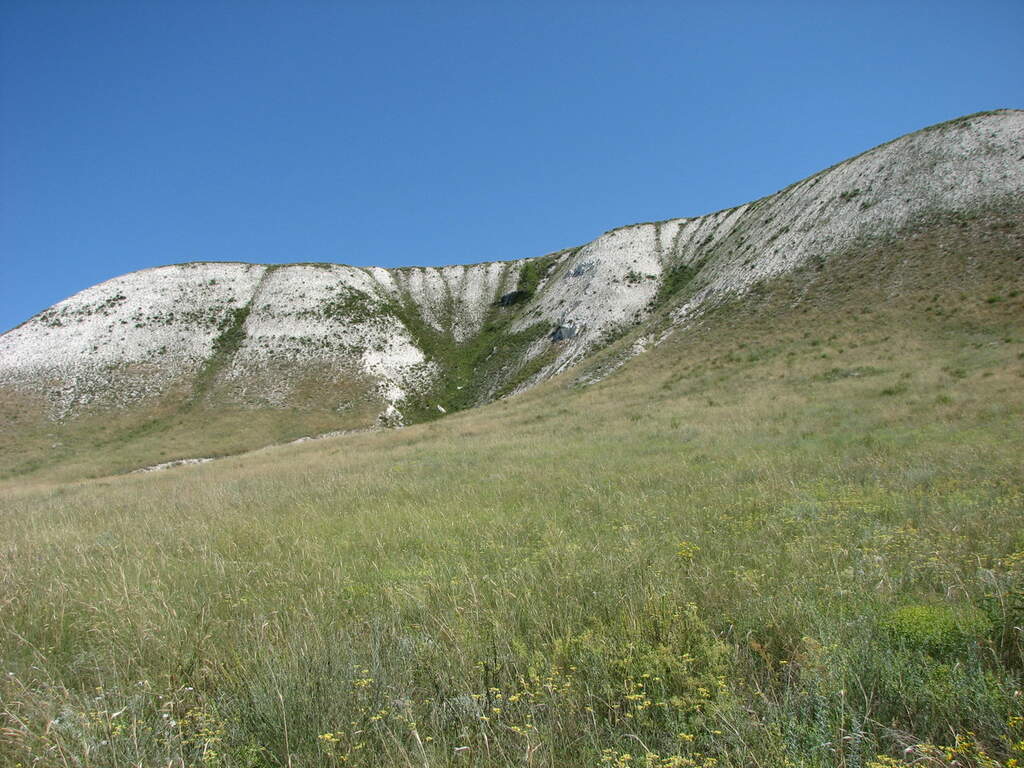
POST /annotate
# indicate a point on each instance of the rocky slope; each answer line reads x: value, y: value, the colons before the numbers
x: 422, y: 341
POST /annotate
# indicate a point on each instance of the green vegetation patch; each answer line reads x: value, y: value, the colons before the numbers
x: 225, y: 345
x: 471, y: 368
x: 673, y: 282
x: 232, y: 332
x: 532, y: 272
x: 350, y: 306
x: 940, y: 630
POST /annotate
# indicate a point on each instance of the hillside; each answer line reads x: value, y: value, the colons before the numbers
x: 789, y: 534
x: 215, y: 358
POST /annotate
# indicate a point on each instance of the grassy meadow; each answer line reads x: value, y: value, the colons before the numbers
x: 791, y: 535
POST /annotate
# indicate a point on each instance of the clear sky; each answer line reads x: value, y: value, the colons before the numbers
x: 134, y: 134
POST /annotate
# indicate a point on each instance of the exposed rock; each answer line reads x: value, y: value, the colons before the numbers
x: 562, y: 332
x: 512, y: 298
x: 390, y: 417
x: 255, y: 334
x: 170, y: 464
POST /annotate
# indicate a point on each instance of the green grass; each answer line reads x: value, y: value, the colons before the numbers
x: 736, y: 551
x: 675, y: 280
x: 106, y: 443
x: 484, y: 366
x: 225, y: 345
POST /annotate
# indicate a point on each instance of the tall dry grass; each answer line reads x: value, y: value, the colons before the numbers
x: 779, y: 539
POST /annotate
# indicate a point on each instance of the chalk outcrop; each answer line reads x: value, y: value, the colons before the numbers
x: 252, y: 334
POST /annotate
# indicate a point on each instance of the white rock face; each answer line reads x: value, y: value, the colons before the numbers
x: 330, y: 315
x: 135, y: 337
x: 452, y: 299
x: 603, y: 286
x: 145, y: 330
x: 950, y: 167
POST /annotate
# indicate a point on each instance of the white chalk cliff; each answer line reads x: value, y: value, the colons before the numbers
x: 461, y: 335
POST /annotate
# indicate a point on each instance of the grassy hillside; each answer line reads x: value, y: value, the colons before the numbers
x: 792, y: 534
x: 108, y: 441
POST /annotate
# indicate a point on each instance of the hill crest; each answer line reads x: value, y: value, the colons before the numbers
x: 411, y: 343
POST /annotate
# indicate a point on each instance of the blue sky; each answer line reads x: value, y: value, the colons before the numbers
x: 134, y: 134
